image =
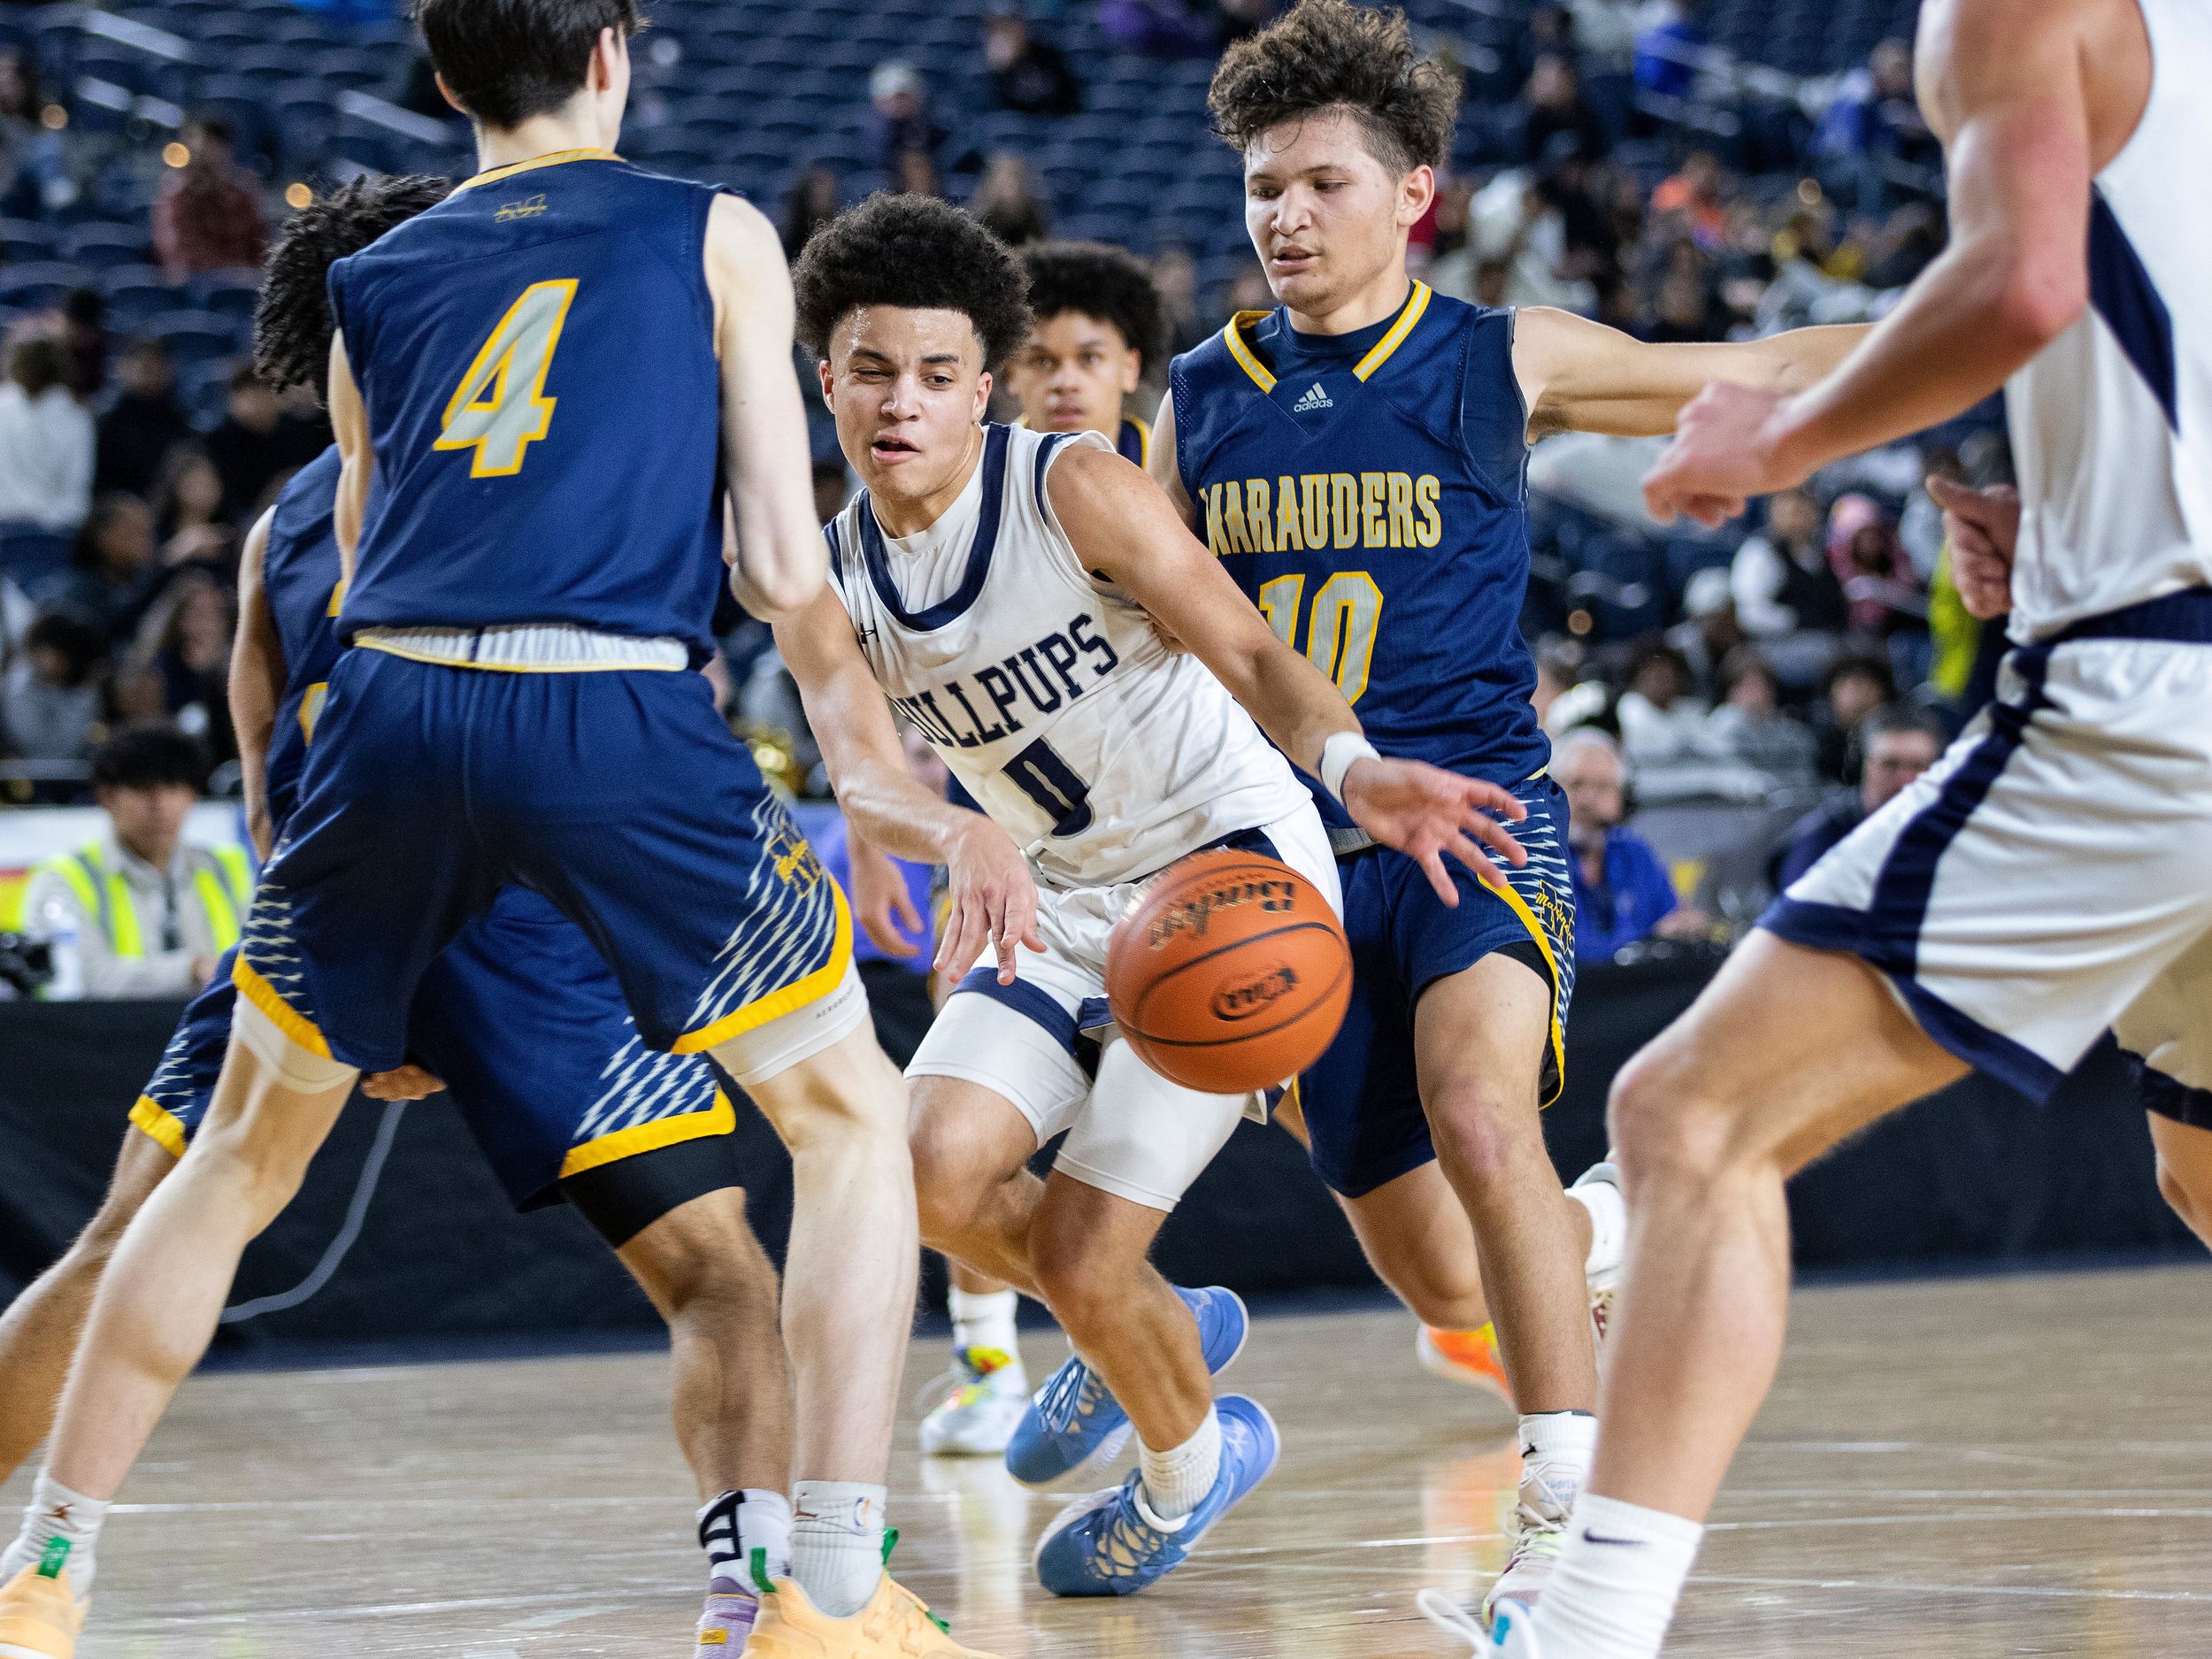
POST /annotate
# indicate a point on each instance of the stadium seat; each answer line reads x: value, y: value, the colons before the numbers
x: 25, y: 240
x: 227, y: 293
x: 195, y: 336
x: 105, y: 247
x: 43, y: 283
x: 142, y: 290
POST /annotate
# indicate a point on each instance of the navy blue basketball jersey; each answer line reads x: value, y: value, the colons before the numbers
x: 300, y: 579
x: 1132, y: 443
x: 1368, y: 491
x: 1135, y: 441
x: 536, y: 354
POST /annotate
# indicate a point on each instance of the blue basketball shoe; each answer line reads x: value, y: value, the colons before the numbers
x: 1075, y: 1428
x: 1112, y: 1544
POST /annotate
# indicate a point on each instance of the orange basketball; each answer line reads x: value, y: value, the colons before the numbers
x: 1232, y: 972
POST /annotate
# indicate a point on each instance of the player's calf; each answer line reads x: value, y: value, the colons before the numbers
x: 847, y: 1304
x: 39, y: 1331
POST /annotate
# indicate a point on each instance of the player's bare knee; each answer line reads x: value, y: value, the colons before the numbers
x: 1480, y: 1132
x: 703, y: 1256
x: 953, y: 1176
x: 1439, y: 1298
x: 1438, y: 1301
x: 259, y: 1174
x: 1080, y: 1286
x: 1661, y: 1121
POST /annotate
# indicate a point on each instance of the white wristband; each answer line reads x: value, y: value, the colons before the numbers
x: 1337, y: 755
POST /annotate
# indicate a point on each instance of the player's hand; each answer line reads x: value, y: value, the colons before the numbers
x: 1721, y: 457
x: 994, y: 900
x: 1424, y: 812
x: 882, y: 901
x: 1983, y: 527
x: 406, y: 1082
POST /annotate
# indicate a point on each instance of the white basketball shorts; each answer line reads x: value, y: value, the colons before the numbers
x: 1047, y: 1044
x: 2051, y: 876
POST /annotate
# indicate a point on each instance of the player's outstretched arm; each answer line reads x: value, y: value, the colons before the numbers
x: 1124, y: 526
x: 256, y: 683
x: 992, y: 897
x: 349, y: 425
x: 782, y: 562
x: 2005, y: 83
x: 1579, y: 376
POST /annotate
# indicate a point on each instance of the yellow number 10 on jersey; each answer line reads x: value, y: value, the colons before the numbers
x: 1340, y: 638
x: 500, y: 408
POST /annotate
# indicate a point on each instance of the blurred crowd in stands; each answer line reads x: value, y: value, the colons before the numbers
x: 1797, y: 666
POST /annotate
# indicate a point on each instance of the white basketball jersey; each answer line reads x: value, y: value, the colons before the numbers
x: 1104, y: 754
x: 2112, y: 422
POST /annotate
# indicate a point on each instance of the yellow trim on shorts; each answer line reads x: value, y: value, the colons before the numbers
x: 160, y: 1123
x: 518, y: 668
x: 810, y: 988
x: 718, y: 1120
x: 264, y: 996
x: 1519, y: 907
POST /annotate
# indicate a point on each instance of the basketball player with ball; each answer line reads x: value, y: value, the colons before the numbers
x: 1031, y: 603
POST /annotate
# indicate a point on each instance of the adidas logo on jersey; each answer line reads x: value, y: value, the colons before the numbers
x: 1315, y: 398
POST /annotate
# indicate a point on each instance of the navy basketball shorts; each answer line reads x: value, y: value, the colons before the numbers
x: 1362, y: 1099
x: 529, y: 1031
x: 621, y: 795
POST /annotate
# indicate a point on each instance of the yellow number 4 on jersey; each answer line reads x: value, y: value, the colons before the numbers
x: 500, y: 408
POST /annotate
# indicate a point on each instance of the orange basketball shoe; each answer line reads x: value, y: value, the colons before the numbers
x: 895, y: 1625
x: 1466, y: 1356
x: 40, y: 1614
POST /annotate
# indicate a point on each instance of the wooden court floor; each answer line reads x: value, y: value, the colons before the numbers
x: 1959, y: 1468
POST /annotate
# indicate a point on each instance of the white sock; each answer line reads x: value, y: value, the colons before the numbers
x: 1177, y: 1482
x: 1608, y: 1231
x: 837, y: 1543
x: 1557, y: 1449
x: 986, y: 1319
x: 1620, y: 1573
x: 59, y: 1528
x: 747, y: 1536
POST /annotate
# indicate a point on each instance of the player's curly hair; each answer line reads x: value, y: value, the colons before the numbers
x: 292, y: 323
x: 917, y: 253
x: 1099, y: 281
x: 1331, y: 55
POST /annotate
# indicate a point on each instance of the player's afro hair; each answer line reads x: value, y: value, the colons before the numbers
x: 917, y: 253
x: 1099, y: 281
x: 292, y: 323
x: 1331, y: 55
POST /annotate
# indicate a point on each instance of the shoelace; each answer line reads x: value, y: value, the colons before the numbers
x: 1128, y: 1537
x: 890, y: 1543
x: 1073, y: 1394
x: 1441, y: 1610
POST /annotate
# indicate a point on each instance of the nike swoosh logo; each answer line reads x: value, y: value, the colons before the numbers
x: 1589, y: 1537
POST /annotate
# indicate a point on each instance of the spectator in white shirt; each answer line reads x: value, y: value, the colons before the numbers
x: 45, y: 442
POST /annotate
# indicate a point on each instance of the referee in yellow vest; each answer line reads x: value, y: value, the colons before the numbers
x: 153, y: 911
